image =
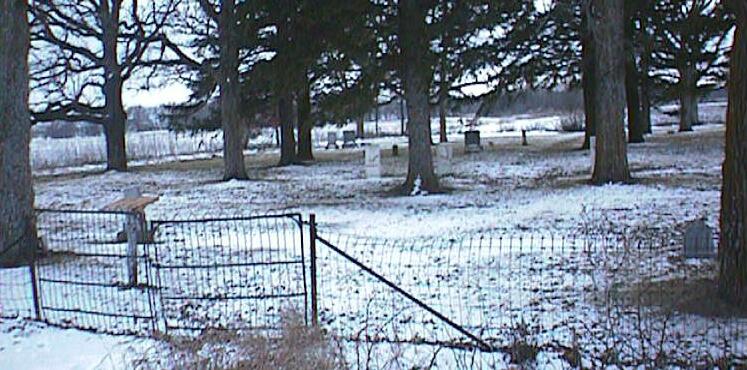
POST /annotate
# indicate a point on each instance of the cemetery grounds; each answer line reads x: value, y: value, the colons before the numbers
x: 506, y: 252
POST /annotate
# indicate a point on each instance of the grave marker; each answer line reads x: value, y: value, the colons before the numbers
x: 372, y: 161
x: 472, y: 141
x: 348, y: 139
x: 699, y: 240
x: 332, y: 140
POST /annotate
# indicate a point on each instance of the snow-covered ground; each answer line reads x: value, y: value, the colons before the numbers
x: 507, y: 189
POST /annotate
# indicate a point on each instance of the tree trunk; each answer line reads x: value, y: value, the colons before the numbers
x: 442, y: 121
x: 116, y: 118
x: 287, y: 139
x: 402, y: 127
x: 234, y: 132
x: 443, y: 97
x: 18, y: 241
x: 360, y: 129
x: 688, y: 99
x: 305, y: 124
x: 588, y: 65
x: 733, y: 242
x: 414, y: 47
x: 611, y: 161
x: 644, y: 79
x: 645, y: 101
x: 284, y: 86
x: 635, y: 123
x: 632, y: 97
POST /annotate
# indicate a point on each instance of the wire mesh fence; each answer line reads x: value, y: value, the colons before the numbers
x: 628, y: 298
x: 634, y: 299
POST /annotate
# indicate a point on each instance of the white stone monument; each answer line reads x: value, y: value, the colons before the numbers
x: 445, y: 151
x: 373, y: 161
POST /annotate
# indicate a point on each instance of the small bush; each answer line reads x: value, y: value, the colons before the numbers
x: 573, y: 122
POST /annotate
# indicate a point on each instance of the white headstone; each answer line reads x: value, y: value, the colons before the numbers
x: 132, y: 192
x: 699, y: 240
x: 445, y: 151
x: 373, y: 161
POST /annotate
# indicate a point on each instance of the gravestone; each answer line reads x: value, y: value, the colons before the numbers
x: 699, y: 240
x: 348, y: 139
x: 372, y: 161
x: 445, y: 151
x: 332, y: 140
x: 132, y: 192
x: 472, y: 141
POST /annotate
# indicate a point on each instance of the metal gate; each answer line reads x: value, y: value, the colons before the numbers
x: 228, y: 273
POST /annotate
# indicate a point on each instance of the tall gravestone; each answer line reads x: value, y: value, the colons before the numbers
x: 373, y: 161
x: 348, y: 139
x: 699, y: 240
x: 332, y: 140
x: 472, y: 141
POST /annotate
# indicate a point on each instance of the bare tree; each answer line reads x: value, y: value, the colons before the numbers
x: 733, y: 241
x: 17, y: 222
x: 690, y: 52
x: 611, y: 161
x: 83, y: 54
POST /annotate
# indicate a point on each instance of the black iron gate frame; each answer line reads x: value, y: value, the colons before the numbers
x: 92, y: 238
x: 160, y: 265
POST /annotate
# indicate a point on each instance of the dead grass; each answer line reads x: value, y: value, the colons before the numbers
x: 698, y: 296
x: 297, y: 346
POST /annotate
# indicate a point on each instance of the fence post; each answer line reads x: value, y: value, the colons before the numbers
x: 35, y: 288
x: 133, y: 224
x: 312, y: 245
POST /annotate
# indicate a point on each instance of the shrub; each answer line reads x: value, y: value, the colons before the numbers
x: 572, y: 122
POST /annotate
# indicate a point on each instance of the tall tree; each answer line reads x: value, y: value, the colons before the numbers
x: 234, y: 131
x: 611, y: 161
x: 733, y: 241
x: 18, y: 240
x: 690, y: 52
x: 413, y: 44
x: 588, y: 72
x: 208, y: 50
x: 84, y: 53
x: 636, y: 123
